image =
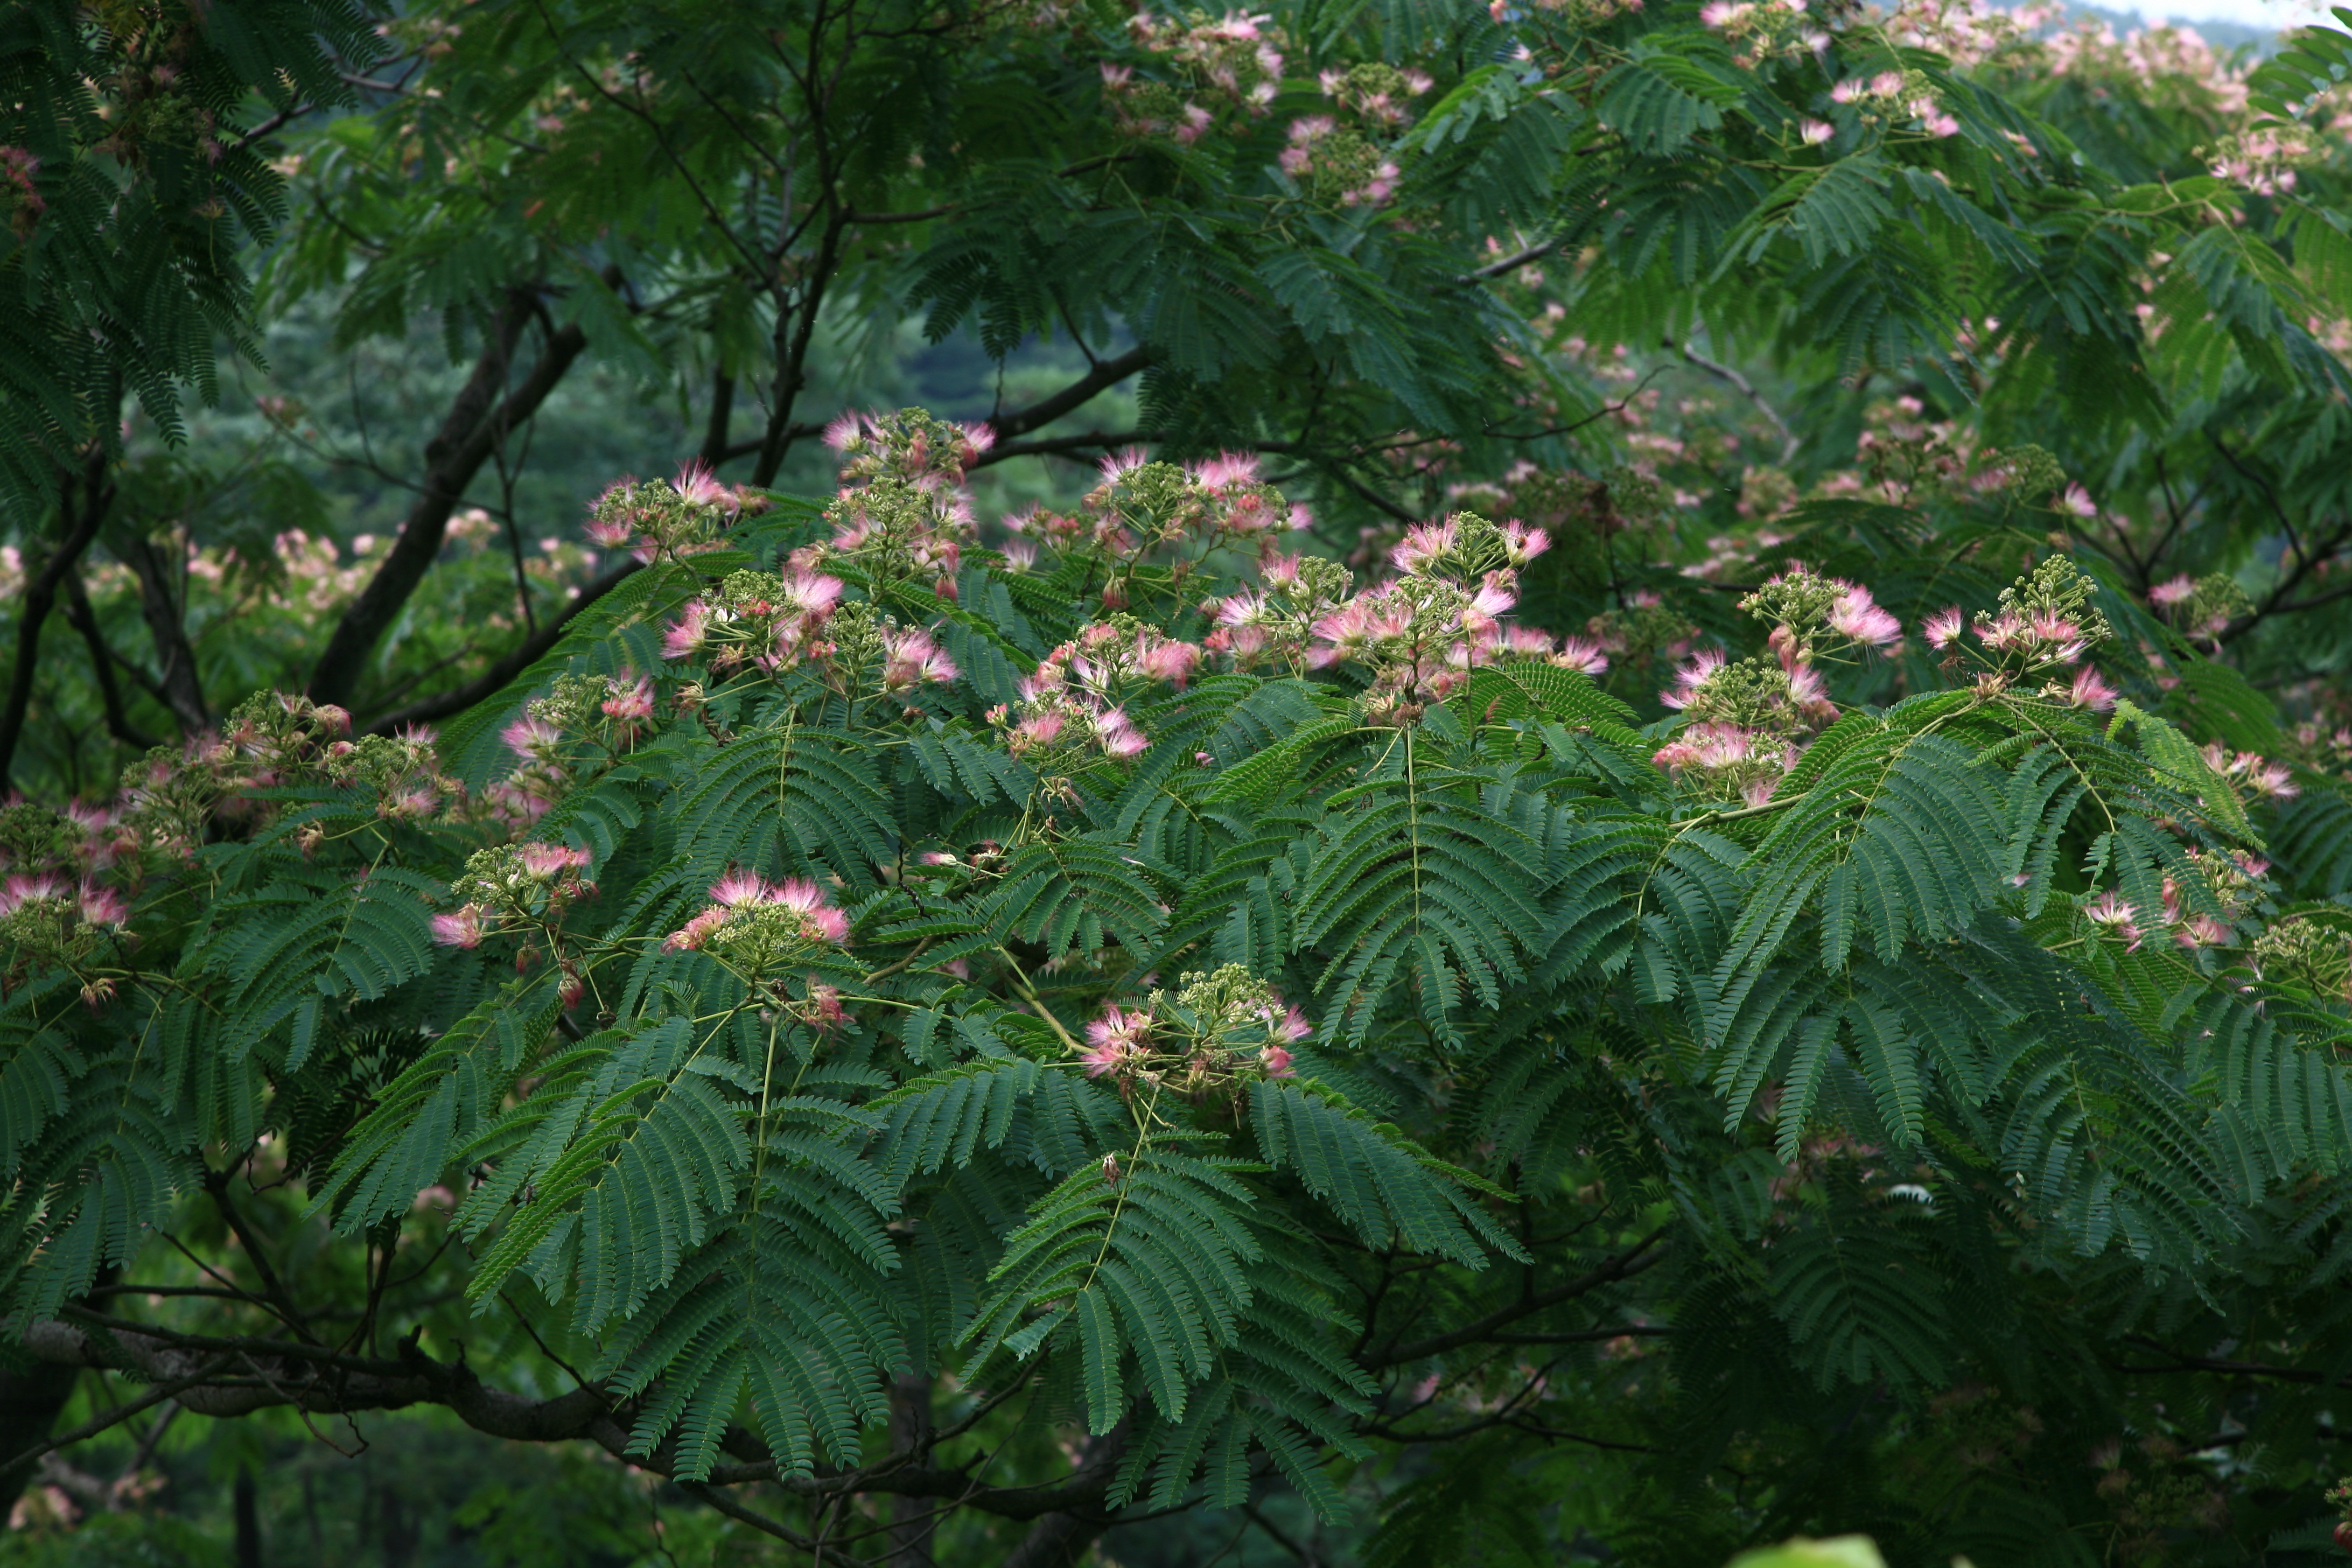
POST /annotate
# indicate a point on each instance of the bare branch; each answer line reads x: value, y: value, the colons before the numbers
x: 1635, y: 1259
x: 525, y: 654
x: 40, y: 593
x: 102, y: 660
x: 475, y: 423
x: 164, y: 607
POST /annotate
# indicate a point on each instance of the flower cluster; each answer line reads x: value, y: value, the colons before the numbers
x: 1744, y: 717
x: 2308, y: 954
x: 2263, y: 160
x: 1072, y: 707
x: 902, y: 513
x: 1142, y: 508
x: 1766, y: 29
x: 771, y: 621
x: 1747, y: 718
x: 20, y: 196
x: 1891, y: 96
x: 56, y: 911
x: 1333, y: 165
x: 2255, y: 774
x: 2224, y: 887
x: 1233, y: 61
x: 653, y: 519
x: 2200, y: 606
x: 521, y: 890
x: 1375, y: 93
x: 2045, y: 624
x: 755, y: 924
x: 1215, y: 1035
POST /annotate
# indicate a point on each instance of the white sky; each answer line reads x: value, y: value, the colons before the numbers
x: 2273, y: 14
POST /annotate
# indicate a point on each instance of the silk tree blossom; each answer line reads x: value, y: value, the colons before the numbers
x: 1692, y: 677
x: 1855, y: 616
x: 910, y: 659
x: 2112, y: 915
x: 759, y: 921
x: 1943, y: 628
x: 1932, y: 118
x: 2172, y: 593
x: 547, y: 862
x: 533, y: 740
x: 1211, y: 1036
x: 2260, y: 777
x: 1116, y: 1039
x: 21, y: 890
x: 2091, y: 691
x: 1814, y: 133
x: 461, y: 927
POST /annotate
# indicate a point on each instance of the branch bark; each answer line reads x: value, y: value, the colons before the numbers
x: 1625, y: 1266
x: 526, y: 653
x: 476, y: 421
x: 165, y: 611
x: 1105, y: 376
x: 101, y: 660
x: 41, y: 593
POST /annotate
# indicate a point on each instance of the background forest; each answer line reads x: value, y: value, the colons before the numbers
x: 1023, y: 783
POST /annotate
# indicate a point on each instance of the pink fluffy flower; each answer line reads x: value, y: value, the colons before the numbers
x: 819, y: 919
x: 1116, y: 734
x: 1943, y: 628
x: 1170, y: 661
x: 1582, y: 655
x: 910, y: 659
x: 459, y: 927
x: 20, y: 890
x: 1521, y: 543
x: 1816, y: 131
x: 1115, y: 1039
x: 811, y: 592
x: 2178, y: 591
x: 2110, y: 913
x: 1690, y: 678
x: 1854, y: 613
x: 697, y: 487
x: 684, y: 637
x: 547, y: 861
x: 2077, y: 501
x: 690, y: 937
x: 531, y: 739
x: 631, y: 704
x: 739, y: 890
x: 1277, y: 1062
x: 2091, y: 691
x: 102, y: 905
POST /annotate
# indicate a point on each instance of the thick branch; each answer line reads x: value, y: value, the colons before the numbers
x: 526, y: 653
x: 1510, y: 263
x: 41, y: 593
x: 1625, y: 1266
x: 476, y: 423
x: 1105, y: 376
x: 162, y: 605
x: 101, y: 661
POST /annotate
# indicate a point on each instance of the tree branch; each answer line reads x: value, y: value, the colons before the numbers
x: 476, y: 422
x: 1510, y: 263
x: 101, y: 660
x: 41, y: 593
x: 164, y: 610
x: 1105, y: 376
x: 1625, y: 1266
x: 525, y: 654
